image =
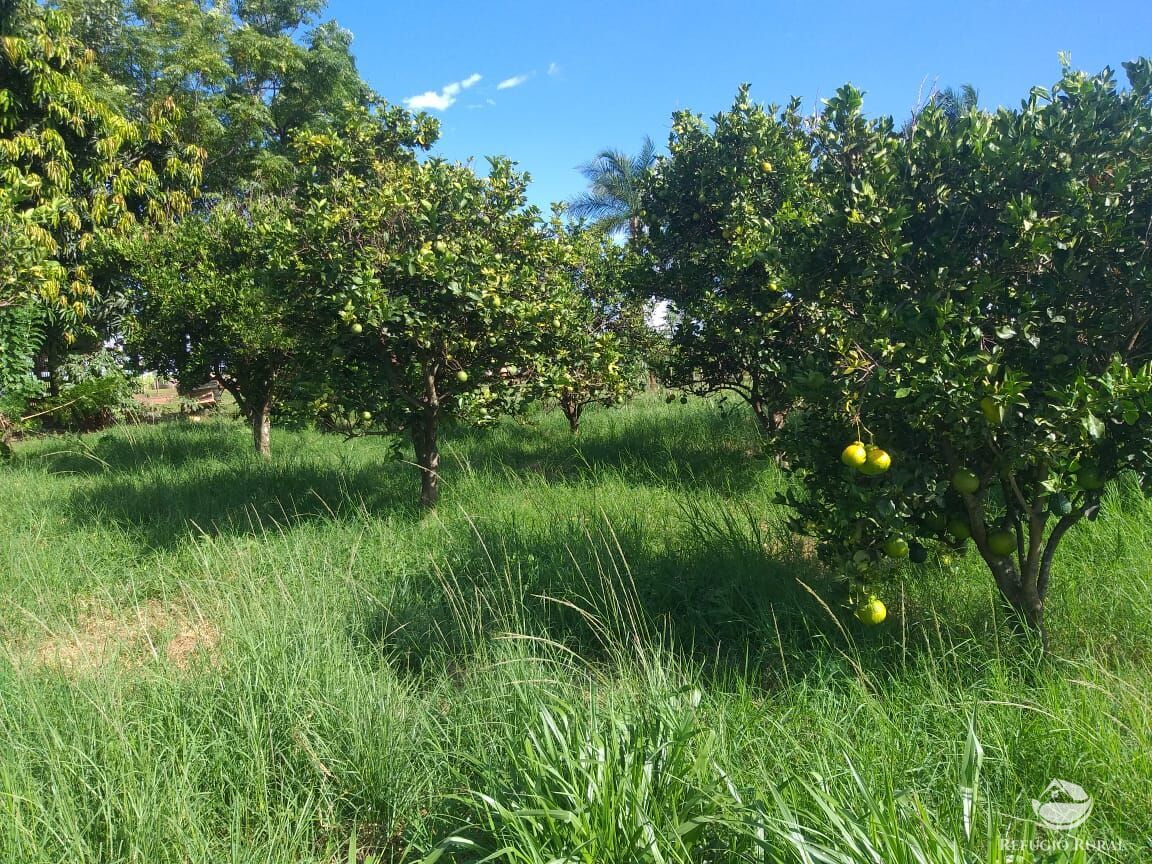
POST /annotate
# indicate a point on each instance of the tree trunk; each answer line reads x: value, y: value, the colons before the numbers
x: 427, y: 447
x: 1025, y: 608
x: 769, y: 420
x: 6, y: 435
x: 572, y: 410
x: 261, y: 420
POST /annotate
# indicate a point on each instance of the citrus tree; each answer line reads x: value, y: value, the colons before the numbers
x: 208, y: 306
x: 214, y: 296
x: 987, y: 279
x: 603, y: 340
x: 427, y: 290
x: 724, y: 215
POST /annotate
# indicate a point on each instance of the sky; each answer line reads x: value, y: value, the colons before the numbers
x: 550, y: 84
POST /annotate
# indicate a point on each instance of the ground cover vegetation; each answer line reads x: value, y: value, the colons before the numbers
x: 846, y: 562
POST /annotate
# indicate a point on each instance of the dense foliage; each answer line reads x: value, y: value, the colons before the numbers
x: 210, y: 307
x: 603, y: 339
x: 75, y: 172
x: 987, y: 279
x: 429, y: 291
x: 959, y: 300
x: 245, y: 76
x: 727, y: 216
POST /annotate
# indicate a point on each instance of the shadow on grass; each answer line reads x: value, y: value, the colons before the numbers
x: 732, y: 594
x: 237, y: 499
x: 691, y: 449
x: 130, y: 449
x: 162, y: 484
x: 745, y: 604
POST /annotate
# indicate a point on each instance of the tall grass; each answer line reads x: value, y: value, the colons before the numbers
x: 600, y: 650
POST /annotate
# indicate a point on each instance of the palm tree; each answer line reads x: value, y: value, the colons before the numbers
x: 613, y: 198
x: 956, y: 103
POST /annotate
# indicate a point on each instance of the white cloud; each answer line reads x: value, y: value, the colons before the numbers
x: 444, y: 99
x: 553, y: 69
x: 514, y: 81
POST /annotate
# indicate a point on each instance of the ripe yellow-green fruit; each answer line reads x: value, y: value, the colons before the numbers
x: 965, y: 482
x: 878, y: 461
x: 1002, y: 543
x: 366, y: 416
x: 896, y: 547
x: 357, y: 328
x: 766, y: 167
x: 872, y: 612
x: 854, y: 455
x: 993, y: 411
x: 1089, y: 479
x: 462, y: 376
x: 959, y: 528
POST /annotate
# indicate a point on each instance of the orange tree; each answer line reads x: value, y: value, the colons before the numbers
x: 210, y: 297
x: 602, y: 338
x: 723, y: 216
x: 988, y: 279
x: 426, y: 292
x: 207, y: 306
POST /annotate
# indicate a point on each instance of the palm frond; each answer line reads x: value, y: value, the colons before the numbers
x: 614, y: 182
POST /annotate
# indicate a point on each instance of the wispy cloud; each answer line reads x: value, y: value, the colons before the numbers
x: 553, y: 68
x: 514, y: 81
x: 443, y: 99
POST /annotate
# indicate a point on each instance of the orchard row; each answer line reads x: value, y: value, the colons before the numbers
x: 941, y: 327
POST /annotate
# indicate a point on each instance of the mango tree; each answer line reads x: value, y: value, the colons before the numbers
x: 429, y: 291
x: 723, y: 215
x: 987, y: 276
x: 75, y: 172
x: 603, y: 340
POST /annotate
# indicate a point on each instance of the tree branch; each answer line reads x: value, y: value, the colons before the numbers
x: 1066, y: 522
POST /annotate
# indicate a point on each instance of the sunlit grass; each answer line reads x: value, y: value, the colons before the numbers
x: 209, y: 658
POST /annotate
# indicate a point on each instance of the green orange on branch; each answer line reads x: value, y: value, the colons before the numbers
x: 896, y: 547
x: 992, y: 410
x: 1089, y: 478
x: 1002, y: 543
x: 966, y: 482
x: 854, y: 455
x: 959, y: 528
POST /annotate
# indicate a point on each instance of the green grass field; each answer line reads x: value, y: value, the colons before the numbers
x: 605, y: 650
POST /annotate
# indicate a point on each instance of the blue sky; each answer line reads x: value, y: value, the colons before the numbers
x: 551, y: 83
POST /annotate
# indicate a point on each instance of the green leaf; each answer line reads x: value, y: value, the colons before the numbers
x: 1094, y: 426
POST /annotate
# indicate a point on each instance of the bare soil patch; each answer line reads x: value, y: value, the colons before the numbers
x: 129, y: 638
